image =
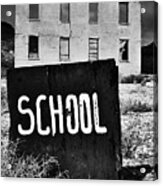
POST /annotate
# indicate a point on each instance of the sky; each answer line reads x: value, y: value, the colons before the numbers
x: 9, y: 19
x: 148, y: 21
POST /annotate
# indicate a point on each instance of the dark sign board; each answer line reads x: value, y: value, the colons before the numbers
x: 70, y: 111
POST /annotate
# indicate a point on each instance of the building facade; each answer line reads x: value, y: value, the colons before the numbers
x: 48, y: 34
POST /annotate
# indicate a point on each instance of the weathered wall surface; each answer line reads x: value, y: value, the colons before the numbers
x: 49, y: 29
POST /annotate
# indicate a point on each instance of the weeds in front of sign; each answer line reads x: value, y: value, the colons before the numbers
x: 30, y: 166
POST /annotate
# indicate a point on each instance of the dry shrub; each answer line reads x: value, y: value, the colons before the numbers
x: 135, y: 106
x: 140, y: 78
x: 29, y: 166
x: 139, y: 138
x: 132, y: 79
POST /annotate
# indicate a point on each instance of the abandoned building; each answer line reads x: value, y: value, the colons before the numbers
x: 48, y: 34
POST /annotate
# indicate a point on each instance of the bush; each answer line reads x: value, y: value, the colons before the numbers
x: 132, y: 79
x: 135, y: 106
x: 141, y: 78
x: 42, y: 166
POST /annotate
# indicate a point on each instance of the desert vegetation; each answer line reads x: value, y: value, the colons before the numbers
x: 139, y: 125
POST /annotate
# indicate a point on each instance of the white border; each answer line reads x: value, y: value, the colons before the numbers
x: 42, y: 182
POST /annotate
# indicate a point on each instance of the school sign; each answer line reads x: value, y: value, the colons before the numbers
x: 70, y: 111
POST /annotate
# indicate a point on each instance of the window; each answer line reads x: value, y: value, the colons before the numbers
x: 65, y: 13
x: 123, y: 13
x: 33, y: 11
x: 64, y: 49
x: 93, y: 13
x: 123, y: 50
x: 93, y: 49
x: 33, y: 48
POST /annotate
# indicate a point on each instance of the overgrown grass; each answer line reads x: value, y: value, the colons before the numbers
x: 137, y: 98
x: 139, y: 139
x: 4, y: 103
x: 30, y: 166
x: 139, y: 106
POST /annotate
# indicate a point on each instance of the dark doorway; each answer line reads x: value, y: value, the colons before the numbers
x: 149, y: 59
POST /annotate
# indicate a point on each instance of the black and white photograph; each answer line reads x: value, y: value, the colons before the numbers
x: 79, y: 90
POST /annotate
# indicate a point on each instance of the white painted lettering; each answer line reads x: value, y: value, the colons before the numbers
x: 72, y: 99
x: 85, y: 100
x: 99, y: 129
x: 28, y: 111
x: 38, y: 116
x: 54, y: 112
